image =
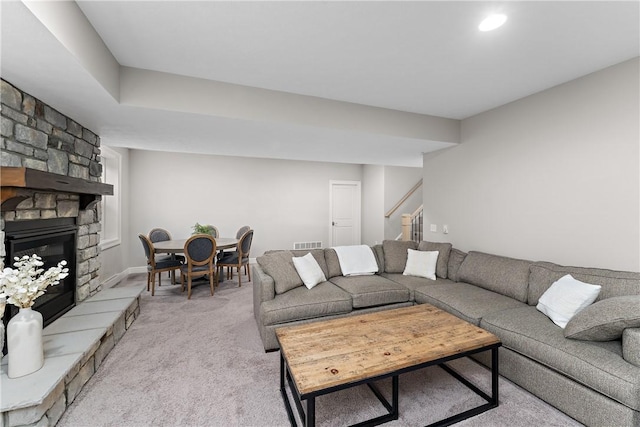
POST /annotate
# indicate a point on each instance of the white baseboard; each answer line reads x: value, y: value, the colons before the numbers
x: 117, y: 278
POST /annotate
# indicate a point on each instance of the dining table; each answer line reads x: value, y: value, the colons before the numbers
x: 175, y: 246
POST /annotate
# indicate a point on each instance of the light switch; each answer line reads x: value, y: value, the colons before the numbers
x: 445, y: 229
x: 434, y: 228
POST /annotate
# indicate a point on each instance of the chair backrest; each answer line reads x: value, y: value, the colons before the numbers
x: 244, y: 244
x: 242, y: 230
x: 215, y: 232
x: 148, y: 249
x: 159, y: 235
x: 200, y: 249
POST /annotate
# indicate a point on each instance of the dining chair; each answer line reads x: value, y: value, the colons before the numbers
x: 161, y: 235
x: 200, y: 251
x: 239, y: 234
x: 237, y: 258
x: 242, y: 230
x: 155, y: 266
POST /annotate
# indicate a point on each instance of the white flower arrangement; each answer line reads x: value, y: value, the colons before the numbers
x: 21, y: 286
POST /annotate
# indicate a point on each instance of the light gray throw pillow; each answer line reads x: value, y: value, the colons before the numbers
x: 605, y: 320
x: 279, y: 266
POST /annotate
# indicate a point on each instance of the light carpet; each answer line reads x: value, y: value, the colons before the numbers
x: 200, y: 362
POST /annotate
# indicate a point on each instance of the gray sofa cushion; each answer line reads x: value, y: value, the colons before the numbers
x: 598, y: 365
x: 379, y: 253
x: 444, y: 249
x: 371, y: 290
x: 631, y: 346
x: 279, y: 266
x: 614, y: 283
x: 506, y: 276
x: 456, y: 257
x: 412, y: 282
x: 301, y: 303
x: 318, y: 254
x: 605, y: 320
x: 333, y: 263
x: 395, y: 254
x: 466, y: 301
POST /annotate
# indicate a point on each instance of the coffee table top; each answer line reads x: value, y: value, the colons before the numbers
x: 335, y: 352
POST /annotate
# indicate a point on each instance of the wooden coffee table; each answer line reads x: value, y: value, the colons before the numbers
x: 326, y: 356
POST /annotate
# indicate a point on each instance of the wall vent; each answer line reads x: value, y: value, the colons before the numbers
x: 307, y: 245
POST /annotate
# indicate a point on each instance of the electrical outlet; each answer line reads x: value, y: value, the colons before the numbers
x: 434, y: 228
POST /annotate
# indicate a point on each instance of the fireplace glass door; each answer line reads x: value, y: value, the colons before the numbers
x: 53, y: 240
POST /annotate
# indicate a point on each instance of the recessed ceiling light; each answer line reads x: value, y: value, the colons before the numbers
x: 492, y: 22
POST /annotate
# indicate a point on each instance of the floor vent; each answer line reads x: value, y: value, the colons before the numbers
x: 307, y: 245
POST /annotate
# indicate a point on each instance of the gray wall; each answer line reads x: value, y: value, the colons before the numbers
x: 283, y: 201
x: 554, y: 176
x: 397, y: 182
x: 383, y: 187
x: 372, y: 204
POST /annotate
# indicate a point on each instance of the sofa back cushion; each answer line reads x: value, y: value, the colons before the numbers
x: 333, y: 263
x: 444, y: 249
x: 395, y: 254
x: 456, y: 257
x: 379, y: 253
x: 318, y: 254
x: 279, y: 266
x: 506, y: 276
x: 631, y: 345
x: 614, y: 283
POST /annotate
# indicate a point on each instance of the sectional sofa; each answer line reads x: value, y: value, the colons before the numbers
x: 596, y: 382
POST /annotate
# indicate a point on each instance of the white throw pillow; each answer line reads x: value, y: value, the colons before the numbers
x: 421, y: 264
x: 566, y: 297
x: 309, y: 270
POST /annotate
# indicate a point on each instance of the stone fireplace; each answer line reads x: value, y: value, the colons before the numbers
x: 51, y: 174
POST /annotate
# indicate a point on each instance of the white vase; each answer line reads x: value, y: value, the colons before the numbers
x: 24, y: 343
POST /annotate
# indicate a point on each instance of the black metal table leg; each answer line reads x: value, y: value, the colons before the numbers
x: 494, y: 376
x: 394, y: 398
x: 311, y: 412
x: 283, y: 390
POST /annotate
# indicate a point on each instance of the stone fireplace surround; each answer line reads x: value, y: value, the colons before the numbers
x: 37, y: 137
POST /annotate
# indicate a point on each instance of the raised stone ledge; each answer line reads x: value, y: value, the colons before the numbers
x: 75, y: 346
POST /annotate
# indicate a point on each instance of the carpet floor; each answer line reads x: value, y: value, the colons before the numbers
x: 200, y: 362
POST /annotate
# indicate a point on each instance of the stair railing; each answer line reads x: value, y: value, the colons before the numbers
x: 412, y: 226
x: 404, y: 199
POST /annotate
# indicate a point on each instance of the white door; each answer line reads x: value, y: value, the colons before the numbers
x: 345, y: 213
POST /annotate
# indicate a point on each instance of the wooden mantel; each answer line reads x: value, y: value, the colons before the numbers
x: 13, y: 179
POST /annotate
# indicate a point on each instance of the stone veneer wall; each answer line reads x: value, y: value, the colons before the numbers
x: 34, y: 135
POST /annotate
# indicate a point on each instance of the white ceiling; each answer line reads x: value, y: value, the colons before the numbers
x: 419, y: 57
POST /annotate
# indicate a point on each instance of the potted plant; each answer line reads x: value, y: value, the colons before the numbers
x: 204, y: 229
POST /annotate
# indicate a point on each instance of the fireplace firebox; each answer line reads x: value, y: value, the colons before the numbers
x: 53, y: 240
